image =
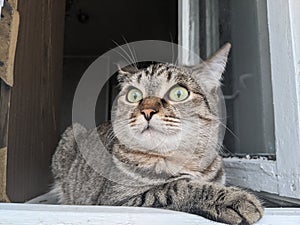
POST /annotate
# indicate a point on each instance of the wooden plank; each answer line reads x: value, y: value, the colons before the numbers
x: 35, y: 99
x: 3, y: 160
x: 24, y: 214
x: 188, y: 32
x: 4, y: 112
x: 13, y: 3
x: 212, y: 32
x: 284, y: 24
x: 9, y: 25
x: 4, y: 117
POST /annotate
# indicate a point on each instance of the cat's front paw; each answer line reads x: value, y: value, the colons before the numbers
x: 239, y: 207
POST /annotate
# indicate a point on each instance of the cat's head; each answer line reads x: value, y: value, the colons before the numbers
x: 164, y: 107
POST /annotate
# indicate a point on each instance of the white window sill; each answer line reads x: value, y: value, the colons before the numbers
x: 25, y: 214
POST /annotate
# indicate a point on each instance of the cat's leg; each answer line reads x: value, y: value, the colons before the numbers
x: 225, y: 204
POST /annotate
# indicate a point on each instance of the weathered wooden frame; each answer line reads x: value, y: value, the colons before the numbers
x: 282, y: 176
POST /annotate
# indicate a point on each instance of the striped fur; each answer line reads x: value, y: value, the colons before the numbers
x: 162, y: 153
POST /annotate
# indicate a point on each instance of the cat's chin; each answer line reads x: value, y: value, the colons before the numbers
x: 154, y: 140
x: 147, y: 133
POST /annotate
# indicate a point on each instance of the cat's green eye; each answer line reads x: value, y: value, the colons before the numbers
x: 134, y: 95
x: 178, y: 94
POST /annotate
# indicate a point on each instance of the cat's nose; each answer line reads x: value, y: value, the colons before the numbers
x: 148, y: 113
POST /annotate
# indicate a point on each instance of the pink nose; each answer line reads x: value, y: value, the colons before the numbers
x: 148, y: 113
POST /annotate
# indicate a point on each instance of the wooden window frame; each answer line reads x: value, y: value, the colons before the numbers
x: 280, y: 177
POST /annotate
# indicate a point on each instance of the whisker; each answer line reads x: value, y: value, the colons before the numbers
x: 131, y: 60
x: 172, y: 47
x: 230, y: 131
x: 126, y: 60
x: 132, y: 53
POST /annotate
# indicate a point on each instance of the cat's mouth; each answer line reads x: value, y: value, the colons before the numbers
x: 151, y: 136
x: 149, y: 129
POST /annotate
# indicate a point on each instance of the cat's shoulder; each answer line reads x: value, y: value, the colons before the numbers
x: 104, y: 128
x: 77, y: 129
x: 76, y: 134
x: 68, y: 135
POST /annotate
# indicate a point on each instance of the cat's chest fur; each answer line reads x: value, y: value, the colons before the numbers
x: 173, y: 164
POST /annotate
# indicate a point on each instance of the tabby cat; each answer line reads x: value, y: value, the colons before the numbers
x: 160, y: 150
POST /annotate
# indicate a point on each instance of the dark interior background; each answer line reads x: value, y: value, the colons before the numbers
x: 93, y: 27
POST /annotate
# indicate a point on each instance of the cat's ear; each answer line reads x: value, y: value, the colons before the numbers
x: 209, y: 72
x: 125, y: 72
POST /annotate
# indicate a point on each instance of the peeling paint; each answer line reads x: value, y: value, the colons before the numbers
x: 255, y: 174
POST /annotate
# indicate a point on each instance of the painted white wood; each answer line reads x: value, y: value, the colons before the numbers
x: 25, y: 214
x: 295, y: 23
x: 1, y: 5
x: 284, y: 22
x: 211, y: 27
x: 255, y: 174
x: 28, y: 214
x: 188, y: 32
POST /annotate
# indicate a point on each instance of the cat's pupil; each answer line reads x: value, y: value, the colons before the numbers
x: 179, y: 93
x: 135, y: 95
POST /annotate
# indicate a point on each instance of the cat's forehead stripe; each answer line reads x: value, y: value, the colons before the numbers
x: 169, y: 75
x: 160, y: 71
x: 139, y: 77
x: 168, y: 71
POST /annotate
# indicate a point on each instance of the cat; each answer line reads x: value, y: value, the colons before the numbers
x: 160, y: 149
